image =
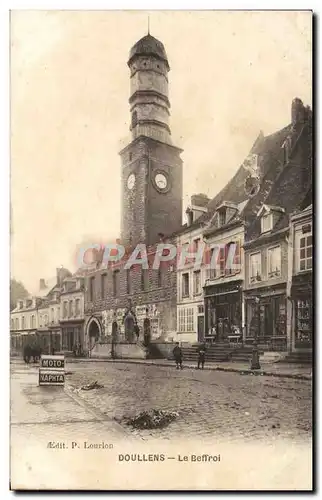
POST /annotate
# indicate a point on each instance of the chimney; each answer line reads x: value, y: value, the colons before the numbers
x: 189, y: 213
x: 42, y: 284
x: 198, y: 207
x: 298, y: 111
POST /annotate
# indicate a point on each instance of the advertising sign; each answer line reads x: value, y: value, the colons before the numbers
x: 52, y: 370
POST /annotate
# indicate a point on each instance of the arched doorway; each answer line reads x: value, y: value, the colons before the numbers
x: 94, y: 332
x: 129, y: 323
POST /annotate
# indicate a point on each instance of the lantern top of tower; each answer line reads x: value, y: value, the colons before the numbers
x: 148, y: 46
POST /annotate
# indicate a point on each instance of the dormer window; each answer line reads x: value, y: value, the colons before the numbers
x: 266, y: 223
x: 222, y: 217
x: 269, y: 216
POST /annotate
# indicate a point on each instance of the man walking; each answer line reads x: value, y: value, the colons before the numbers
x: 177, y: 353
x: 201, y: 356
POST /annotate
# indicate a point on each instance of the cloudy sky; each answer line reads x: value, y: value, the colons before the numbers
x: 232, y: 75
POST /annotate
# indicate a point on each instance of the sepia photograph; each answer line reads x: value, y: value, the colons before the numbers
x: 161, y: 246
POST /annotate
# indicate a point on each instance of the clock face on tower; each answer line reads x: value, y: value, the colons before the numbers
x: 131, y: 181
x: 161, y: 181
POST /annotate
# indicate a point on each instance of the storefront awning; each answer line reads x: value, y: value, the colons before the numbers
x: 221, y: 293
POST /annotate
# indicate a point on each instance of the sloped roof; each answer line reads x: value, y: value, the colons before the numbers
x: 284, y: 185
x: 148, y: 45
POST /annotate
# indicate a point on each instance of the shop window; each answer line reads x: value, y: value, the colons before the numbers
x: 255, y: 267
x: 279, y: 317
x: 303, y: 322
x: 197, y: 283
x: 185, y: 285
x: 274, y: 262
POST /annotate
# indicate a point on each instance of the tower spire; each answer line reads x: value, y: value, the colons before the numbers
x: 148, y: 25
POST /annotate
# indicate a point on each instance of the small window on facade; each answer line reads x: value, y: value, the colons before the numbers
x: 185, y: 285
x: 197, y: 283
x: 91, y: 288
x: 160, y: 277
x: 144, y: 279
x: 128, y: 281
x: 274, y: 262
x: 305, y: 260
x: 116, y: 283
x: 130, y: 156
x: 255, y: 268
x: 222, y: 217
x: 103, y: 285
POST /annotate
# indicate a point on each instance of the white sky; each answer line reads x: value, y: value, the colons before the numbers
x: 232, y: 74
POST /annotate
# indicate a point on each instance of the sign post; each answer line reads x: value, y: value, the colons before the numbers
x: 52, y: 370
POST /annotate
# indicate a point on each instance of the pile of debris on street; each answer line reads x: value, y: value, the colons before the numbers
x: 152, y: 419
x: 93, y: 385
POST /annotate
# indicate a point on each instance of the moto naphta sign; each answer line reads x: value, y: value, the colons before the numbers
x: 52, y: 370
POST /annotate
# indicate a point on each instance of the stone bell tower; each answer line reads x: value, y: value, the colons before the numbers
x: 151, y: 164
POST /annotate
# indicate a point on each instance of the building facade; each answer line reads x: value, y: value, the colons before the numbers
x: 191, y: 274
x: 72, y: 316
x: 223, y: 289
x: 300, y: 280
x: 23, y: 323
x: 286, y: 186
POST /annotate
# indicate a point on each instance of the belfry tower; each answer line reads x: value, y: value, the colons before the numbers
x: 151, y: 164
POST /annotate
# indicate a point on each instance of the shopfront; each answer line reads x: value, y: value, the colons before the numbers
x: 72, y: 335
x: 302, y: 327
x: 223, y: 311
x: 266, y: 317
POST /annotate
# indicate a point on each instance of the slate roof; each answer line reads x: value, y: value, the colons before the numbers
x: 285, y: 184
x: 148, y: 45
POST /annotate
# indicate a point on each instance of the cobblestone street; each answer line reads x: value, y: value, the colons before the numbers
x: 258, y: 426
x: 210, y: 404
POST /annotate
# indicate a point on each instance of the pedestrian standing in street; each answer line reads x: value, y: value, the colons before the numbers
x: 177, y: 353
x: 201, y: 356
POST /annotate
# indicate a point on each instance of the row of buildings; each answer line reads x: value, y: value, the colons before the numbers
x: 264, y: 213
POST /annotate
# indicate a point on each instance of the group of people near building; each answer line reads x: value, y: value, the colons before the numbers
x: 178, y: 356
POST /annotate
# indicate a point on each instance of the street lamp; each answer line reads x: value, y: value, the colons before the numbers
x: 255, y: 355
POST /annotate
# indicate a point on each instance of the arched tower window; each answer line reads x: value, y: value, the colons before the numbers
x: 134, y: 119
